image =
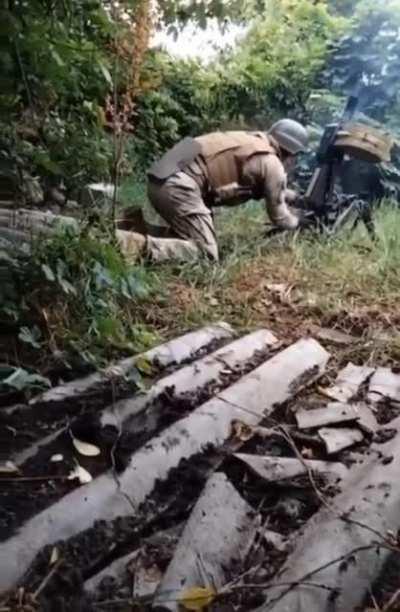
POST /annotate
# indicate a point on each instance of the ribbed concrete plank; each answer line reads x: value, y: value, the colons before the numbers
x: 173, y: 352
x: 216, y: 533
x: 372, y: 498
x: 250, y: 399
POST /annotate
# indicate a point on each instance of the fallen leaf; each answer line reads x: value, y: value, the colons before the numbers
x: 144, y: 366
x: 56, y: 458
x: 54, y: 556
x: 84, y: 448
x: 8, y: 467
x: 241, y: 431
x: 197, y: 598
x: 307, y: 453
x: 81, y: 474
x: 284, y: 292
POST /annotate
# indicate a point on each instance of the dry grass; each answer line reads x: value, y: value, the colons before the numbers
x: 292, y: 285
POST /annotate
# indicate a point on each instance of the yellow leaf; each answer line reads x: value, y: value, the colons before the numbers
x: 144, y: 366
x: 197, y: 598
x: 241, y: 431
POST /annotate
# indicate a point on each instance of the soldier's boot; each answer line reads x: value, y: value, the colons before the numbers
x: 132, y: 245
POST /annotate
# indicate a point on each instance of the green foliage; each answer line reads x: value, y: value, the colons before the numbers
x: 58, y: 63
x: 55, y: 68
x: 178, y: 104
x: 86, y: 288
x: 19, y: 379
x: 275, y: 67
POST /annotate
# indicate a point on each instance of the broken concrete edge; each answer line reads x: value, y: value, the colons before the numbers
x: 343, y: 548
x: 173, y: 352
x: 21, y: 456
x: 348, y: 382
x: 250, y: 399
x: 334, y: 336
x: 277, y: 469
x: 384, y: 384
x: 339, y: 438
x: 216, y: 533
x: 337, y: 412
x: 333, y: 413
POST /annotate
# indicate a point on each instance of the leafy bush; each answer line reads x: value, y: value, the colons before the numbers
x: 275, y: 67
x: 55, y: 63
x: 75, y: 293
x: 178, y: 103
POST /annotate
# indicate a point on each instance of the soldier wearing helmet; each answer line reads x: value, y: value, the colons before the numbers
x: 220, y: 169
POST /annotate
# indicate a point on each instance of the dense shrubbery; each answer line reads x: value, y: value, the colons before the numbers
x: 58, y: 65
x: 75, y: 297
x: 55, y: 68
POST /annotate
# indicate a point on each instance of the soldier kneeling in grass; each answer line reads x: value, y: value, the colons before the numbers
x: 218, y: 169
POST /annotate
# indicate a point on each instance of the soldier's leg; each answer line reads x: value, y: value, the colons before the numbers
x: 179, y: 202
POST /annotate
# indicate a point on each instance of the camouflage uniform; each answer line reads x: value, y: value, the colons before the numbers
x: 239, y: 166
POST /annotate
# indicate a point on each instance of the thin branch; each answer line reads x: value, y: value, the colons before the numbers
x: 392, y: 601
x: 47, y: 578
x: 113, y: 449
x: 268, y: 586
x: 23, y: 74
x: 330, y: 506
x: 335, y: 561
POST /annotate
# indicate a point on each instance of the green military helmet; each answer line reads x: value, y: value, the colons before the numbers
x: 290, y: 135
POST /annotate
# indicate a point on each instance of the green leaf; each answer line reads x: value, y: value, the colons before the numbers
x: 43, y: 160
x: 30, y: 336
x: 20, y: 379
x: 56, y: 57
x: 48, y: 272
x: 67, y: 287
x: 106, y: 73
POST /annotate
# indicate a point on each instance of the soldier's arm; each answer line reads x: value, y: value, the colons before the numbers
x: 277, y: 196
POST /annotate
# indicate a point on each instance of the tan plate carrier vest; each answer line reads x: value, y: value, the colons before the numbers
x: 223, y: 153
